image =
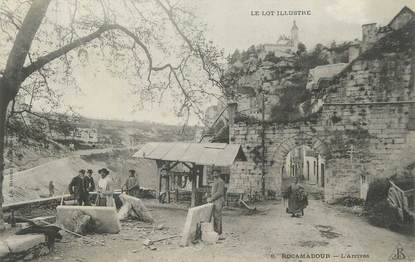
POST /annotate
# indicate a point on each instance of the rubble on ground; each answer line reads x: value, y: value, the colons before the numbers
x: 133, y: 208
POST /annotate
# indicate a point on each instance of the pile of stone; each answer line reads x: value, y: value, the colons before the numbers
x: 133, y: 208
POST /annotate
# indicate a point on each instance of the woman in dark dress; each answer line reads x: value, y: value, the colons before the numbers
x: 297, y: 199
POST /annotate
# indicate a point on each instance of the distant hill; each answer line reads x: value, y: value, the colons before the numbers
x: 33, y: 151
x: 133, y: 132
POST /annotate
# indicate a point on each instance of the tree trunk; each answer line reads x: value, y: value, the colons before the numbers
x: 13, y: 75
x: 4, y: 101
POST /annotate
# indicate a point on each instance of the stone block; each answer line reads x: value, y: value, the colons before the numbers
x: 4, y: 249
x: 105, y: 218
x: 206, y: 227
x: 208, y: 233
x: 210, y: 237
x: 22, y: 243
x: 136, y: 208
x: 194, y: 216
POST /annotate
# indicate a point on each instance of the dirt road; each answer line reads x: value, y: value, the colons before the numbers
x: 268, y: 236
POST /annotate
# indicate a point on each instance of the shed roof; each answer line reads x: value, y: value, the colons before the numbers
x: 218, y: 154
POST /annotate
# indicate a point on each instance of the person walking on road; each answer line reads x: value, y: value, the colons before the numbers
x: 51, y: 189
x: 297, y: 199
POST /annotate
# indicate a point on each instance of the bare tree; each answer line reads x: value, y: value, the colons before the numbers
x: 157, y: 45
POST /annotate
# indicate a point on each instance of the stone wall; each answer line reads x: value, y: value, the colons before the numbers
x: 365, y: 129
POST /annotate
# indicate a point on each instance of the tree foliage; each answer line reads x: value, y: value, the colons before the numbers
x: 158, y: 46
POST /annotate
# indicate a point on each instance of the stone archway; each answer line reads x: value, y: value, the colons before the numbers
x: 288, y: 143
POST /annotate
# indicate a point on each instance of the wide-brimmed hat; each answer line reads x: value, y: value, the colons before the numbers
x: 131, y: 171
x: 103, y: 171
x: 82, y: 171
x: 89, y: 171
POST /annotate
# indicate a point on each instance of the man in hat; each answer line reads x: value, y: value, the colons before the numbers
x: 218, y: 199
x: 77, y: 188
x: 89, y: 183
x: 132, y: 185
x: 105, y: 189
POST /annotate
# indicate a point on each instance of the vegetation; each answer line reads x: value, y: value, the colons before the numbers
x: 42, y: 52
x: 350, y: 201
x: 288, y: 110
x: 380, y: 213
x: 294, y: 99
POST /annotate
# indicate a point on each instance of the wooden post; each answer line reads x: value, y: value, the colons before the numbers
x: 160, y: 164
x: 177, y: 191
x: 168, y: 187
x: 193, y: 174
x: 200, y: 168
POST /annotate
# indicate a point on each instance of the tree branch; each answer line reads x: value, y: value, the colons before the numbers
x: 23, y: 42
x: 43, y: 60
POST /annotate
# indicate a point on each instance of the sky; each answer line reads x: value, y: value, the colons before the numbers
x: 231, y: 26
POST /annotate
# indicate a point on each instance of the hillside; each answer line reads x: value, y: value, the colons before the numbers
x: 30, y: 151
x: 133, y: 132
x: 33, y: 183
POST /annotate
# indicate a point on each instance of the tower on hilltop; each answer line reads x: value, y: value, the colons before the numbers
x: 294, y: 35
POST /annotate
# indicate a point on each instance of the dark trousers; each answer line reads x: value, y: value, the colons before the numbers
x: 83, y: 199
x: 217, y: 217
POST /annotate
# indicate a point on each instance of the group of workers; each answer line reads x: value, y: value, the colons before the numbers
x: 83, y: 188
x: 85, y: 191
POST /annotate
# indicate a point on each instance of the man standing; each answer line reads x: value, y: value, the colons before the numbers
x: 132, y: 185
x: 217, y: 198
x: 77, y: 188
x: 89, y: 183
x: 51, y: 189
x: 105, y: 189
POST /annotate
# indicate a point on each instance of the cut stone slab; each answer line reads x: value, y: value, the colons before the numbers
x: 124, y: 211
x: 210, y: 237
x: 81, y: 224
x: 195, y: 215
x: 136, y: 208
x: 22, y: 243
x: 206, y: 227
x: 208, y: 233
x: 4, y: 249
x: 104, y: 218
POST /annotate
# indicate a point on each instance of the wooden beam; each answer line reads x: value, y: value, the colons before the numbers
x: 188, y: 166
x: 173, y: 166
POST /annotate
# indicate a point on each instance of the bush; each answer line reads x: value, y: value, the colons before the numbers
x: 350, y: 201
x: 378, y: 191
x: 381, y: 214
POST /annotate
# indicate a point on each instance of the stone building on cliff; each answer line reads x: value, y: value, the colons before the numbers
x: 364, y: 128
x: 285, y: 46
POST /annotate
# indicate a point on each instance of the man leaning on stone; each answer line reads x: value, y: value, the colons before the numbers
x: 218, y: 199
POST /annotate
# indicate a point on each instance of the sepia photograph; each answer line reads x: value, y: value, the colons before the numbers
x: 207, y: 130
